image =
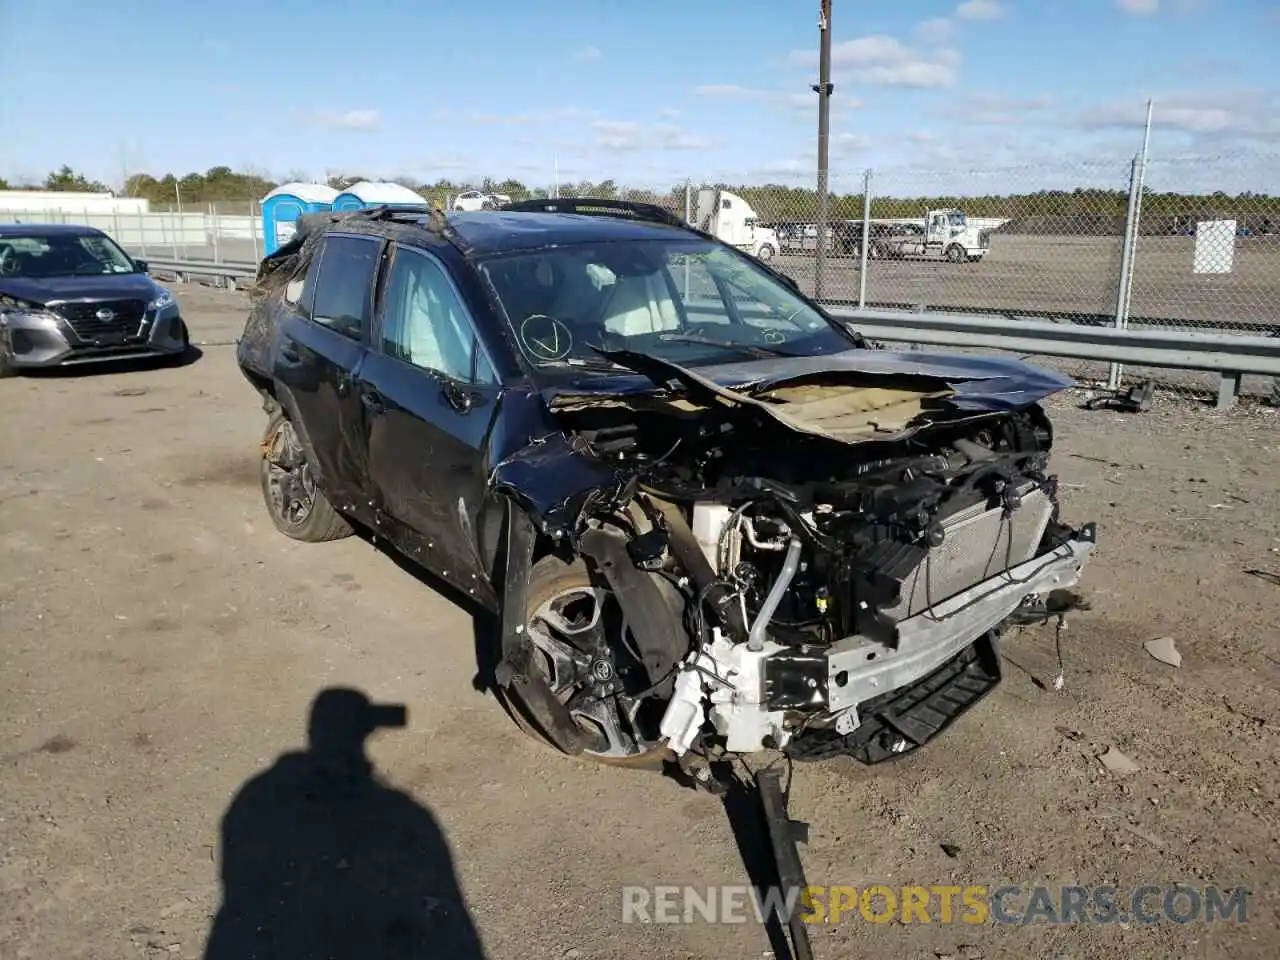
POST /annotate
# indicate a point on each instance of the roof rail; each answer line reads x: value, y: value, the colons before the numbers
x: 600, y: 207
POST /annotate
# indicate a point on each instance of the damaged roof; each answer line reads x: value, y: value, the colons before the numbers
x: 499, y: 232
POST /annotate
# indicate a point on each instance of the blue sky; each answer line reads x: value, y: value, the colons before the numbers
x: 1046, y: 92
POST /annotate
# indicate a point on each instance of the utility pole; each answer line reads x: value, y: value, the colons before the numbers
x: 823, y: 89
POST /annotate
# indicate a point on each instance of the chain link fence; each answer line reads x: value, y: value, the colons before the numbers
x: 1114, y: 244
x: 1190, y: 244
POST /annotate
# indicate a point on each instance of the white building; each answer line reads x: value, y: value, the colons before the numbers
x: 56, y: 201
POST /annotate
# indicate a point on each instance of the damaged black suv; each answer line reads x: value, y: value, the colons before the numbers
x: 710, y: 518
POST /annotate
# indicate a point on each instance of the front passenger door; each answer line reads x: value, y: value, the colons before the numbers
x: 430, y: 395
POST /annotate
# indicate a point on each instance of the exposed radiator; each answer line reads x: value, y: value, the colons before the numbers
x: 979, y: 543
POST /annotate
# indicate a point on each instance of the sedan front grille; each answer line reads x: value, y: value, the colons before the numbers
x: 106, y: 321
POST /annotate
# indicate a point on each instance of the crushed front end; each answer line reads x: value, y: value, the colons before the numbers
x: 850, y: 544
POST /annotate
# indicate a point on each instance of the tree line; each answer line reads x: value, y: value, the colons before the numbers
x: 1091, y: 209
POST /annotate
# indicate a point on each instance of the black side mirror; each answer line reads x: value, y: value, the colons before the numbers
x: 142, y: 265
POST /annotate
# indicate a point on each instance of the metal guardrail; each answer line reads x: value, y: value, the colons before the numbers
x: 223, y: 269
x: 1230, y: 355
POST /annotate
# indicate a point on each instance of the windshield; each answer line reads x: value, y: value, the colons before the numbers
x: 688, y: 301
x: 61, y: 255
x: 957, y: 219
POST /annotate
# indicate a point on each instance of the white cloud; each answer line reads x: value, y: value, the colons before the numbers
x: 627, y: 135
x: 365, y: 119
x: 617, y: 134
x: 671, y: 137
x: 937, y: 30
x: 850, y: 142
x: 986, y: 108
x: 587, y: 53
x: 885, y: 61
x: 555, y: 115
x: 1141, y: 8
x: 1243, y: 114
x: 980, y: 10
x: 669, y: 112
x: 448, y: 162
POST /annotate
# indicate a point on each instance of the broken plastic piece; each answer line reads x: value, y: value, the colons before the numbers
x: 1117, y: 762
x: 1163, y: 649
x: 1134, y: 400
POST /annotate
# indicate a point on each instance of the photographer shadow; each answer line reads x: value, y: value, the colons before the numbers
x: 321, y: 861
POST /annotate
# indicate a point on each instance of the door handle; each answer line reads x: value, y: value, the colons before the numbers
x: 373, y: 402
x: 289, y: 352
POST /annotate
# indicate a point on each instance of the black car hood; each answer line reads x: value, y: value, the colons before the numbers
x: 979, y: 384
x: 117, y: 286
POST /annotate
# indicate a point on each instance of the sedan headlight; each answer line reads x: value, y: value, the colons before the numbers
x: 162, y: 300
x: 23, y: 315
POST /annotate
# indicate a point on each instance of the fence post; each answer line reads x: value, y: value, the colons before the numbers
x: 253, y: 228
x: 213, y: 212
x: 115, y: 226
x: 1126, y: 269
x: 1133, y: 224
x: 866, y: 238
x: 142, y: 232
x: 180, y: 234
x: 688, y: 218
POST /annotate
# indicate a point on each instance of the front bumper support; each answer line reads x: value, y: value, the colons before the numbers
x: 859, y: 670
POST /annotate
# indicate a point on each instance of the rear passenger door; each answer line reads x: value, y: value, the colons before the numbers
x: 320, y: 352
x: 430, y: 394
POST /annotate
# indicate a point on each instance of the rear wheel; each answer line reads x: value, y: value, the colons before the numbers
x: 956, y: 254
x: 584, y: 651
x: 297, y: 507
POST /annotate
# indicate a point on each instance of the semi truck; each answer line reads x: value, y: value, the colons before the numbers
x: 940, y: 234
x: 730, y: 218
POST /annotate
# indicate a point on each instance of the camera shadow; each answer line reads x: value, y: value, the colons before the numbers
x: 319, y: 859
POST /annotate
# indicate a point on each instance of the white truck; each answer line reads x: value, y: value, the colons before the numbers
x: 941, y: 234
x: 730, y: 218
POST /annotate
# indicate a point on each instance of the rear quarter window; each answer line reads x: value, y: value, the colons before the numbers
x: 341, y: 294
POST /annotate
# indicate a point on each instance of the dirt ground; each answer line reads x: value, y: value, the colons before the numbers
x: 162, y: 646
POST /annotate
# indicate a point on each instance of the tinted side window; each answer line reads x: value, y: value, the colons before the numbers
x: 344, y: 288
x: 424, y: 322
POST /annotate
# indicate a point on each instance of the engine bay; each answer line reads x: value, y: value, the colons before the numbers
x: 829, y: 561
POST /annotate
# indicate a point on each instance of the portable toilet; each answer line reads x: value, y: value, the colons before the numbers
x: 282, y: 207
x: 369, y: 193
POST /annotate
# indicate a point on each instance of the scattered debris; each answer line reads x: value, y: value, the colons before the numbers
x: 964, y: 951
x: 1073, y: 735
x: 1163, y: 649
x: 1271, y: 578
x: 1117, y: 762
x: 1134, y: 400
x: 1137, y: 831
x: 950, y: 849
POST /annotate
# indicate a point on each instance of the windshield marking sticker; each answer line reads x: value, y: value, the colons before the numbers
x: 548, y: 339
